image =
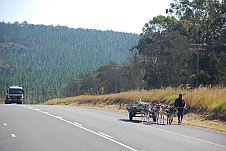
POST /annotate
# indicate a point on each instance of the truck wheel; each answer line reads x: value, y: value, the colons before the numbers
x: 130, y: 116
x: 6, y: 102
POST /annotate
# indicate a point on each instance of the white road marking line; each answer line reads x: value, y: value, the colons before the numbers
x: 77, y: 124
x: 13, y: 135
x: 36, y: 109
x: 163, y: 130
x: 51, y: 115
x: 143, y: 125
x: 66, y: 121
x: 80, y: 126
x: 110, y: 139
x: 105, y: 135
x: 59, y: 117
x: 4, y: 124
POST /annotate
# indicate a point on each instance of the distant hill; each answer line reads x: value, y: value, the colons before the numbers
x: 42, y: 58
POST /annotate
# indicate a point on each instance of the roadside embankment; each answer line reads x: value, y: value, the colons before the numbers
x: 206, y: 106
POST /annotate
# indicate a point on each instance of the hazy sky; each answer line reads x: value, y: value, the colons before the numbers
x: 117, y: 15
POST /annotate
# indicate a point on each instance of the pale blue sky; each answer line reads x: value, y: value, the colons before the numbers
x: 117, y: 15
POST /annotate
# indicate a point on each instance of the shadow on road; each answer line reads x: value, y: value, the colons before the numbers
x: 137, y: 121
x: 133, y: 121
x: 146, y: 123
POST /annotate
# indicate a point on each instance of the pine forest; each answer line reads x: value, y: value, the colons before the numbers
x: 43, y: 59
x: 186, y: 48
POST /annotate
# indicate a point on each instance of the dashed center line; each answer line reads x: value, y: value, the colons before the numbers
x: 4, y: 124
x: 13, y: 135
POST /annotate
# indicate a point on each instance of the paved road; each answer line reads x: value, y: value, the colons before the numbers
x: 65, y: 128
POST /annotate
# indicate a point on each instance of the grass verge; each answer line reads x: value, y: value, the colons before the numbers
x: 206, y: 106
x: 192, y: 119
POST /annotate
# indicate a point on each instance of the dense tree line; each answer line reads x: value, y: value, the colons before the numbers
x: 43, y: 59
x: 188, y: 48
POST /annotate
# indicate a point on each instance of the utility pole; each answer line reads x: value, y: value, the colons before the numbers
x: 78, y: 81
x: 116, y: 67
x: 95, y: 74
x: 146, y: 60
x: 197, y: 48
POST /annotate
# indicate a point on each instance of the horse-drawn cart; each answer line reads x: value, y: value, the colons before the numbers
x: 134, y: 110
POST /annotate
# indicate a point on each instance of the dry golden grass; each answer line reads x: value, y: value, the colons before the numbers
x: 166, y: 95
x: 202, y: 99
x: 200, y: 121
x: 209, y: 99
x: 206, y: 105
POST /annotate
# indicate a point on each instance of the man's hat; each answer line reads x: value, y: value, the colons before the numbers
x: 180, y: 94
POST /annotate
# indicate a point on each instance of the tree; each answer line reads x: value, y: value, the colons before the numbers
x: 207, y: 22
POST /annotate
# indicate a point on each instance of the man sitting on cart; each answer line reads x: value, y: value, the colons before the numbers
x: 140, y: 103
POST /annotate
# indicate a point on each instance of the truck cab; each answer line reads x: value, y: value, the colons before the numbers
x: 14, y: 94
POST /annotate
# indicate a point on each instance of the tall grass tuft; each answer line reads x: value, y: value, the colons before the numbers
x: 206, y: 99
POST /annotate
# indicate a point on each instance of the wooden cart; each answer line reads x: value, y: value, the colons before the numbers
x: 134, y: 111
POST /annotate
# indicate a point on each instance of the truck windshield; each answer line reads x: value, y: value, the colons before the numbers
x: 15, y: 91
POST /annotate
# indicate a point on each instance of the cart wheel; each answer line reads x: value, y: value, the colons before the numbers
x: 130, y: 116
x: 154, y: 119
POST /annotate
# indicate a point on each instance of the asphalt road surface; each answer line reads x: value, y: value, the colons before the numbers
x: 66, y: 128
